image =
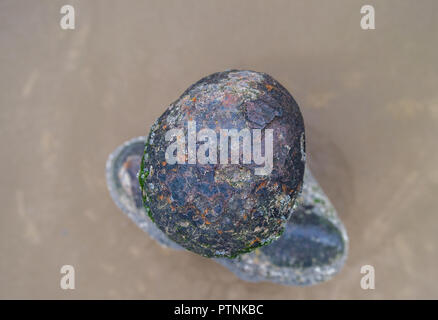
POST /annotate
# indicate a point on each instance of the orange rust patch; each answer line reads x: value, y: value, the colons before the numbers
x: 284, y: 188
x: 161, y: 197
x: 165, y: 126
x: 254, y: 241
x: 261, y: 185
x: 163, y: 163
x: 269, y: 87
x: 219, y: 231
x: 194, y: 99
x: 204, y: 218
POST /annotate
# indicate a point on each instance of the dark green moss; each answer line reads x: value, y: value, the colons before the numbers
x: 142, y: 176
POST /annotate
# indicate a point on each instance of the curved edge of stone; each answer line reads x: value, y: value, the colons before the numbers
x: 125, y: 201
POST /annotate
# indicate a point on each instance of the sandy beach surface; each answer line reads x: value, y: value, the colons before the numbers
x: 69, y: 97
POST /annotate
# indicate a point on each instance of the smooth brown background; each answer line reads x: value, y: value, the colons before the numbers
x: 68, y: 98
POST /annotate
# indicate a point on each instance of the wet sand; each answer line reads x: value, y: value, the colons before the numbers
x: 68, y: 98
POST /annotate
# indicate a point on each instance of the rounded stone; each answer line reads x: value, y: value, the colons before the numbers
x: 222, y: 208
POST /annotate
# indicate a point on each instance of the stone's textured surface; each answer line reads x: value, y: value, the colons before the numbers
x: 312, y: 249
x: 316, y: 241
x: 217, y: 210
x: 122, y: 168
